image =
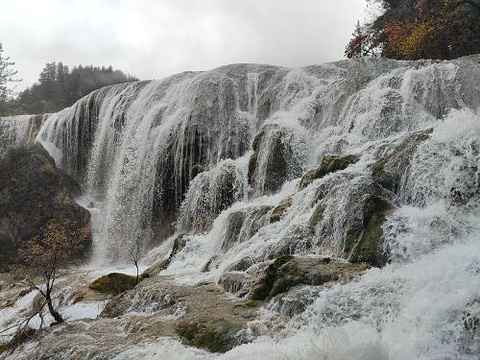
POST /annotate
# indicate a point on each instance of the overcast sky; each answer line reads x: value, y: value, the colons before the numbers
x: 152, y: 39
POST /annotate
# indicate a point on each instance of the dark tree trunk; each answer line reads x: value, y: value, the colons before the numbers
x: 58, y: 318
x: 136, y: 266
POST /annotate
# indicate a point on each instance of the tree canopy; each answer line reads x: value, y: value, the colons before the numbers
x: 59, y: 87
x: 415, y: 29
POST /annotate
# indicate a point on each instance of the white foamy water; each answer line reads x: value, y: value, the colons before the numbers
x: 211, y: 155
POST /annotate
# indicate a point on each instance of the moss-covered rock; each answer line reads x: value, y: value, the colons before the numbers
x: 288, y: 271
x: 329, y: 164
x: 213, y: 335
x: 114, y: 283
x: 243, y: 224
x: 262, y: 290
x: 369, y: 248
x: 242, y: 264
x: 388, y: 170
x: 316, y: 217
x: 278, y: 211
x: 234, y: 226
x: 178, y: 244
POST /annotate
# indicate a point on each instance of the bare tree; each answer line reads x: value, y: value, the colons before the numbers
x: 135, y: 254
x: 43, y: 255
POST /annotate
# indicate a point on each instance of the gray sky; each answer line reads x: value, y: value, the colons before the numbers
x: 155, y: 38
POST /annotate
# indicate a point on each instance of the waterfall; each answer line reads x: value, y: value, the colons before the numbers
x: 21, y: 130
x: 136, y: 147
x: 249, y: 162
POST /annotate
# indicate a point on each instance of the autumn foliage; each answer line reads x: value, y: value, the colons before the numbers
x: 44, y: 255
x: 415, y: 29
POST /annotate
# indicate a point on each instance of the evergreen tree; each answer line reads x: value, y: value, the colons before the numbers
x: 59, y: 87
x: 6, y: 75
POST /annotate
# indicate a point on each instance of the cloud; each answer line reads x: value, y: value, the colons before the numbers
x: 153, y: 39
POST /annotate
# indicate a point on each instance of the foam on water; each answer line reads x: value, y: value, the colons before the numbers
x: 194, y: 155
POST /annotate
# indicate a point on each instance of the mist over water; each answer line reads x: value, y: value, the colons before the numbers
x: 174, y: 156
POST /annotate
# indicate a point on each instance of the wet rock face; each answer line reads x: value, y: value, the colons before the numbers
x: 213, y: 335
x: 274, y: 161
x: 288, y: 271
x: 369, y: 248
x: 18, y: 131
x: 348, y: 213
x: 328, y: 165
x: 209, y: 194
x: 32, y: 192
x: 388, y: 170
x: 243, y: 224
x: 234, y: 282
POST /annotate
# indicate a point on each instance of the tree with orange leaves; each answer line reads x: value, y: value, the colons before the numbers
x: 437, y: 29
x: 44, y: 255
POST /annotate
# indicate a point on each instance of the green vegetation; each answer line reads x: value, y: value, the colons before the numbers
x: 253, y: 304
x: 114, y: 283
x: 59, y: 87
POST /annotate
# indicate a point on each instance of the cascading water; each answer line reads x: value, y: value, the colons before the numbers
x: 217, y: 156
x: 16, y: 131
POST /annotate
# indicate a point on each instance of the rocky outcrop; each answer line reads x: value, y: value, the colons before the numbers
x: 274, y: 160
x: 328, y: 165
x: 388, y: 170
x: 369, y: 248
x: 209, y: 194
x: 243, y: 224
x: 280, y: 209
x: 288, y: 271
x: 214, y: 335
x: 32, y: 192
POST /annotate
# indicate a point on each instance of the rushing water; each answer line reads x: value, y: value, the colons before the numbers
x: 211, y: 155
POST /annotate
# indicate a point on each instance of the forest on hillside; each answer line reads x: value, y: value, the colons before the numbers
x: 58, y: 87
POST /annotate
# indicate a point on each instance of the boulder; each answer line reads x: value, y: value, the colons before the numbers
x: 288, y: 271
x: 114, y: 283
x: 281, y: 209
x: 328, y: 165
x: 360, y: 213
x: 369, y: 248
x: 244, y: 223
x: 388, y: 170
x: 217, y: 335
x: 34, y: 191
x: 274, y: 160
